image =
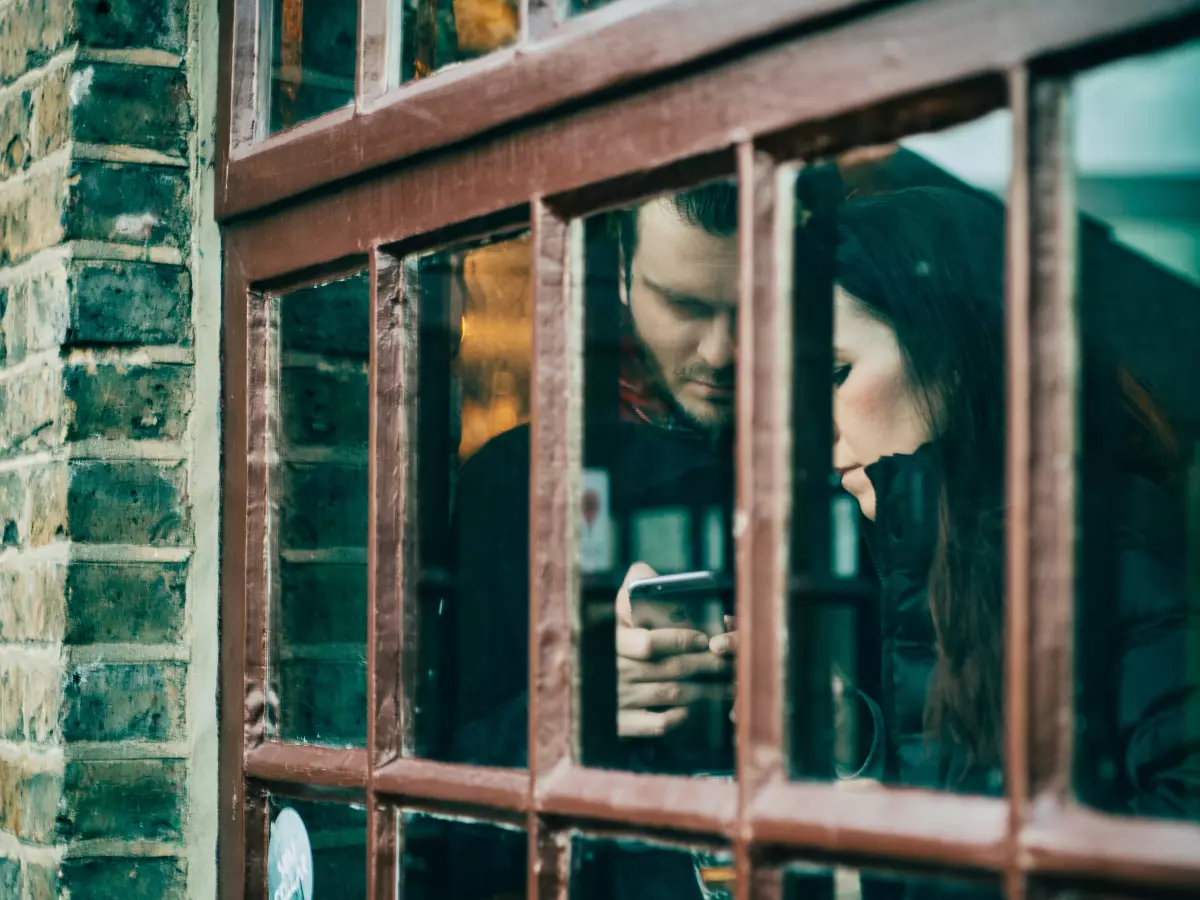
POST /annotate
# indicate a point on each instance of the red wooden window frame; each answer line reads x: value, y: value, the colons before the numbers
x: 747, y: 88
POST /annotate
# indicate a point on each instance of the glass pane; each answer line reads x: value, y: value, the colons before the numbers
x: 806, y: 881
x: 896, y: 619
x: 475, y: 308
x: 335, y: 836
x: 458, y: 859
x: 313, y: 54
x: 1137, y: 161
x: 575, y: 7
x: 603, y: 868
x: 438, y: 33
x: 660, y: 283
x: 318, y: 583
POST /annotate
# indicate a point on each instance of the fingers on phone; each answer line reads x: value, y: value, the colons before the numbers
x: 642, y: 643
x: 724, y: 644
x: 674, y: 668
x: 637, y: 571
x: 658, y: 694
x: 641, y: 723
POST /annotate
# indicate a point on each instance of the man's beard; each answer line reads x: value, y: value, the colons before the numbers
x: 716, y: 426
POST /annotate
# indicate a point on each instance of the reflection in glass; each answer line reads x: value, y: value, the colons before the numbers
x: 1137, y: 156
x: 313, y: 57
x: 896, y: 622
x: 320, y: 353
x: 475, y: 311
x: 438, y: 33
x: 458, y: 859
x: 337, y: 833
x: 603, y: 868
x: 806, y: 881
x: 575, y: 7
x: 660, y: 307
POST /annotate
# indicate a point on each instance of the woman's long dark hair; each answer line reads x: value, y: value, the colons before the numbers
x: 929, y: 262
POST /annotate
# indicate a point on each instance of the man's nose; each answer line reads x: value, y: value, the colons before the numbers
x: 718, y: 349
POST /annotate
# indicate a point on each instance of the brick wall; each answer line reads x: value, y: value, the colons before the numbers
x: 99, y: 180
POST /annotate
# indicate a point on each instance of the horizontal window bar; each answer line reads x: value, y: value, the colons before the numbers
x: 306, y: 764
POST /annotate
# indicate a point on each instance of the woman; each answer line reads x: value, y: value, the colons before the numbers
x: 919, y: 436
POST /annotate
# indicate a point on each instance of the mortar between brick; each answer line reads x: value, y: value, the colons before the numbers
x: 34, y: 76
x: 122, y: 653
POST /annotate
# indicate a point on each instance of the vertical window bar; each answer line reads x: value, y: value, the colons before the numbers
x: 557, y: 441
x: 537, y: 18
x: 1043, y: 373
x: 763, y: 481
x: 245, y: 81
x: 378, y: 69
x: 259, y: 537
x: 1017, y: 282
x: 387, y: 656
x: 235, y: 476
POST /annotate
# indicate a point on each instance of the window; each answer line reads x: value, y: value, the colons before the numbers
x: 546, y: 567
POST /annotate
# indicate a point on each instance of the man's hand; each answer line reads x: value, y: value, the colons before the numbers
x: 654, y: 668
x: 726, y: 645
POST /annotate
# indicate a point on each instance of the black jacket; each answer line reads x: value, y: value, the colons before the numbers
x: 1134, y: 722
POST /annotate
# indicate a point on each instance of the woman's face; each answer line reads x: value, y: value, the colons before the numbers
x: 875, y: 411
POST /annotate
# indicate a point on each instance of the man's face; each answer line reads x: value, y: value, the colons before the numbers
x: 683, y: 301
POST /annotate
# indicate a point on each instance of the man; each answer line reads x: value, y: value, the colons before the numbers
x: 667, y: 446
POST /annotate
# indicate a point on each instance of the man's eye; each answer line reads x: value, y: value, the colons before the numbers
x: 691, y: 308
x: 840, y: 374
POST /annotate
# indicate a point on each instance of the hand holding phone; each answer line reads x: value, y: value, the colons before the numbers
x: 665, y: 666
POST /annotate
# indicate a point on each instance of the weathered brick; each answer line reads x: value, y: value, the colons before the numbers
x: 128, y: 401
x: 33, y: 505
x: 32, y: 213
x: 28, y: 800
x: 332, y: 318
x: 10, y: 877
x: 30, y: 32
x: 36, y: 313
x: 127, y: 203
x: 103, y: 878
x: 323, y: 406
x: 323, y: 505
x: 129, y: 503
x: 16, y: 121
x: 323, y: 603
x: 107, y: 602
x: 37, y: 611
x: 35, y: 122
x: 41, y: 881
x: 115, y: 701
x: 160, y: 24
x: 142, y: 105
x: 30, y: 701
x: 135, y: 799
x: 31, y: 410
x: 129, y: 303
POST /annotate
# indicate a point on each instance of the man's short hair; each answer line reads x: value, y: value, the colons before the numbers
x: 711, y: 207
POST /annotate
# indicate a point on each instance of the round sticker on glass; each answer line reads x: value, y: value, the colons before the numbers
x: 289, y: 859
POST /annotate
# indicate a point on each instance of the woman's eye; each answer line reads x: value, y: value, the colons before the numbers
x: 840, y: 374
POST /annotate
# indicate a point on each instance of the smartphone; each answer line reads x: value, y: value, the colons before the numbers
x: 683, y: 600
